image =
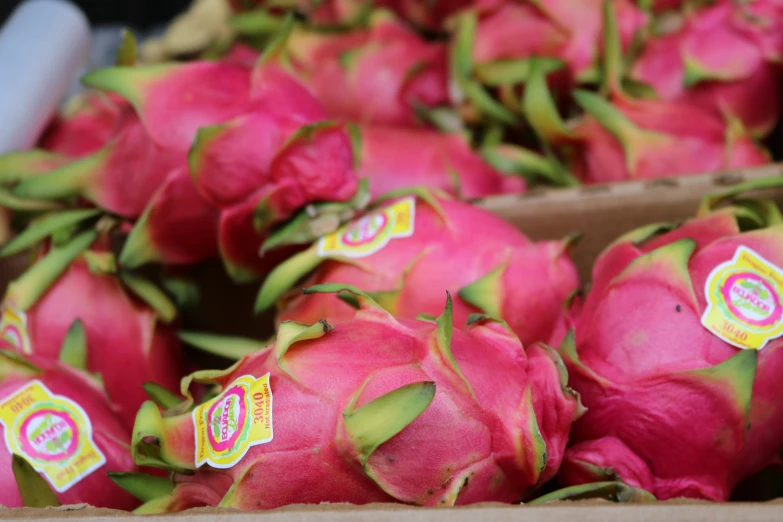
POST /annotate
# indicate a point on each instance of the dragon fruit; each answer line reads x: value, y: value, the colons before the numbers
x: 56, y: 418
x: 628, y: 138
x: 567, y: 30
x: 128, y: 340
x: 398, y: 253
x: 233, y: 175
x: 403, y: 71
x: 85, y: 125
x: 375, y: 393
x: 120, y: 178
x: 713, y: 63
x: 431, y: 15
x: 393, y: 158
x: 644, y: 139
x: 661, y: 362
x: 205, y: 119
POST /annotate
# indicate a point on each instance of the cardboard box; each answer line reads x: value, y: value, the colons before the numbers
x: 600, y: 213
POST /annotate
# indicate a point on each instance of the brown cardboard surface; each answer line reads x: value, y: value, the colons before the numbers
x: 600, y: 213
x: 672, y: 511
x: 603, y: 212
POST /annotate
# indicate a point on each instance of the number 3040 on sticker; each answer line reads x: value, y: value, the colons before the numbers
x: 229, y: 425
x: 744, y: 300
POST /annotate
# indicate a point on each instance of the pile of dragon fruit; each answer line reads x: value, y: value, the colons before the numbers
x: 418, y: 349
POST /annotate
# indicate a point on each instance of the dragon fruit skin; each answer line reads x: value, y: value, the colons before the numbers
x: 394, y: 158
x: 86, y: 124
x: 165, y: 229
x: 501, y: 273
x: 652, y: 373
x: 136, y: 347
x: 712, y: 63
x: 171, y: 103
x: 430, y: 15
x: 107, y: 432
x: 646, y: 139
x: 389, y: 60
x: 121, y: 177
x: 569, y: 30
x: 247, y: 136
x: 428, y: 374
x: 175, y: 100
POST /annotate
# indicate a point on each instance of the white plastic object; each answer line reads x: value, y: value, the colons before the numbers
x: 44, y: 46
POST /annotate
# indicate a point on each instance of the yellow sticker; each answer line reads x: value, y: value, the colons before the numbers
x: 235, y: 421
x: 52, y: 433
x: 744, y: 301
x: 372, y: 232
x: 13, y: 327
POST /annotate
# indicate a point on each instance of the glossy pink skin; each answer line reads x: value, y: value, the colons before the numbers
x: 389, y: 60
x: 237, y: 161
x: 240, y: 243
x: 87, y: 127
x: 126, y: 342
x: 402, y: 158
x: 133, y: 170
x: 712, y: 39
x: 569, y: 30
x: 645, y: 402
x: 431, y: 15
x: 108, y: 434
x: 174, y: 212
x: 690, y: 141
x: 487, y: 435
x: 302, y: 172
x: 258, y: 155
x: 534, y: 287
x: 192, y: 96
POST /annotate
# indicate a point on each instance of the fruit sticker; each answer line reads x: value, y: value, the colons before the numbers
x: 13, y: 327
x: 229, y: 425
x: 372, y: 232
x: 744, y: 301
x: 52, y: 433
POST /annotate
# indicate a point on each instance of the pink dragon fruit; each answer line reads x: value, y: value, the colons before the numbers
x: 128, y: 342
x: 85, y: 126
x: 568, y: 30
x: 172, y: 102
x: 677, y: 356
x: 120, y: 178
x: 644, y: 138
x: 165, y: 229
x: 355, y: 413
x: 398, y: 253
x: 58, y: 422
x: 184, y: 116
x: 431, y: 15
x: 393, y: 158
x: 403, y: 71
x: 713, y: 63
